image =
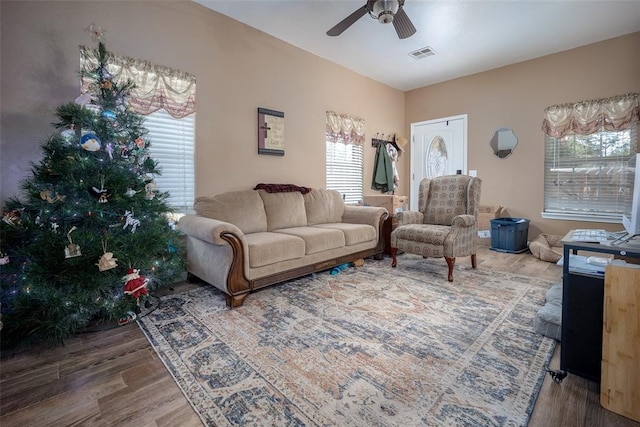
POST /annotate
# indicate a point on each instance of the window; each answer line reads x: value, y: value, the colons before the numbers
x: 166, y: 99
x: 344, y: 139
x: 344, y: 170
x: 584, y: 175
x: 587, y: 147
x: 172, y: 146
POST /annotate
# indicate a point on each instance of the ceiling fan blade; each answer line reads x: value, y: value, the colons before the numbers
x: 403, y: 25
x: 347, y: 22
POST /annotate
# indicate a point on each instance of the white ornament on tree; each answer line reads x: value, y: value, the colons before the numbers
x: 130, y: 221
x: 72, y: 250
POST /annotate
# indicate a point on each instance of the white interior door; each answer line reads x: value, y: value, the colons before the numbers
x: 439, y: 147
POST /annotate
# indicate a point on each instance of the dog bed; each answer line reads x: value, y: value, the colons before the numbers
x: 546, y: 247
x: 548, y: 320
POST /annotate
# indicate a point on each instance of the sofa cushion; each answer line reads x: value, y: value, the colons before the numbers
x: 268, y: 248
x: 244, y: 209
x: 323, y: 206
x: 353, y: 233
x: 284, y: 210
x: 316, y: 239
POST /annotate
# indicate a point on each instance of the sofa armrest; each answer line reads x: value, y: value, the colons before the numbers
x: 208, y: 229
x: 364, y: 215
x: 409, y: 217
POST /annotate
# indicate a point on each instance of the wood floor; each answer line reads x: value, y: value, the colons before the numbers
x: 113, y: 377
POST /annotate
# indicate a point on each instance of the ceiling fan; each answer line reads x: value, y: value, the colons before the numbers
x: 385, y: 11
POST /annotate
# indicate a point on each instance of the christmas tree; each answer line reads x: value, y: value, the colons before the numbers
x: 91, y: 236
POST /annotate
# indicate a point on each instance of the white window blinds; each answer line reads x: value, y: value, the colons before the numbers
x: 344, y: 170
x: 584, y: 175
x: 172, y: 146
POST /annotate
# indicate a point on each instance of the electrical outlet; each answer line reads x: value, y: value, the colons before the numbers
x: 483, y: 234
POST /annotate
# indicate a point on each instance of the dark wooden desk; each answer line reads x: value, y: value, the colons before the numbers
x: 582, y: 308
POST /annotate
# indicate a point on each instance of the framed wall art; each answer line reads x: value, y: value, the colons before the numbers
x: 270, y: 132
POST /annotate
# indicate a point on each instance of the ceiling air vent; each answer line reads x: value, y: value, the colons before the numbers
x: 422, y: 53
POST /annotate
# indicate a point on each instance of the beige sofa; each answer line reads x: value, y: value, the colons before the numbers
x: 241, y: 241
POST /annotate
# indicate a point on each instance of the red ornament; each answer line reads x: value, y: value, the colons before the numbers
x: 135, y: 284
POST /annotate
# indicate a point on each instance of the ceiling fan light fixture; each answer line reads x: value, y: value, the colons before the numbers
x: 384, y: 10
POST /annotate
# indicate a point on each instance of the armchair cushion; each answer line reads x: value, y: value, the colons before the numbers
x: 409, y: 217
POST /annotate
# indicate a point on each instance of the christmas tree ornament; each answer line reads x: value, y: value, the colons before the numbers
x: 72, y: 250
x: 68, y: 134
x: 109, y: 115
x: 135, y: 284
x: 100, y: 193
x: 130, y: 192
x: 123, y: 151
x: 4, y: 258
x: 107, y: 261
x: 50, y: 197
x: 109, y: 150
x: 96, y: 32
x: 54, y: 227
x: 107, y: 85
x: 150, y: 190
x: 104, y: 72
x: 130, y: 317
x: 12, y: 217
x: 130, y: 221
x: 83, y: 99
x: 139, y: 142
x: 90, y: 142
x: 94, y: 108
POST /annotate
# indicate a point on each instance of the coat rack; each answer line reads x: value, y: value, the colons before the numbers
x: 381, y: 139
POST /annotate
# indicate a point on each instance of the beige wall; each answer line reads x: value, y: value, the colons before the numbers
x: 516, y: 96
x: 238, y: 69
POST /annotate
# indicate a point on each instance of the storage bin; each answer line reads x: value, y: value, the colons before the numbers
x: 509, y: 235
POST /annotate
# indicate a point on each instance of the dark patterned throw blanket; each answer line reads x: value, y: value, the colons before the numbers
x: 281, y: 188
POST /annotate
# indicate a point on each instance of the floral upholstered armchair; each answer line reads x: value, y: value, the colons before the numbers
x: 445, y: 224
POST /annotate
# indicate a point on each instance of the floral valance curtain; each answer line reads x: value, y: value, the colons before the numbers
x: 343, y: 128
x: 156, y: 86
x: 587, y: 117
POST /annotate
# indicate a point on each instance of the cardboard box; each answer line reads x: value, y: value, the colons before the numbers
x: 485, y: 215
x: 391, y: 203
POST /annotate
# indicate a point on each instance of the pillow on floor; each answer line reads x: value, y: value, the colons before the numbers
x: 548, y: 320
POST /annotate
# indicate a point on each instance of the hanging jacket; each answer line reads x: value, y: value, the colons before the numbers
x: 382, y: 171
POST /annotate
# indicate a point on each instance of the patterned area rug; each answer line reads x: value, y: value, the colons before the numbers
x: 371, y: 346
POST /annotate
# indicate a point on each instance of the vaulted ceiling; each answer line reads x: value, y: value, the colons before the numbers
x: 467, y: 37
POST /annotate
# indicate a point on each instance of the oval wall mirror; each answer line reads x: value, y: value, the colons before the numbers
x: 503, y: 142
